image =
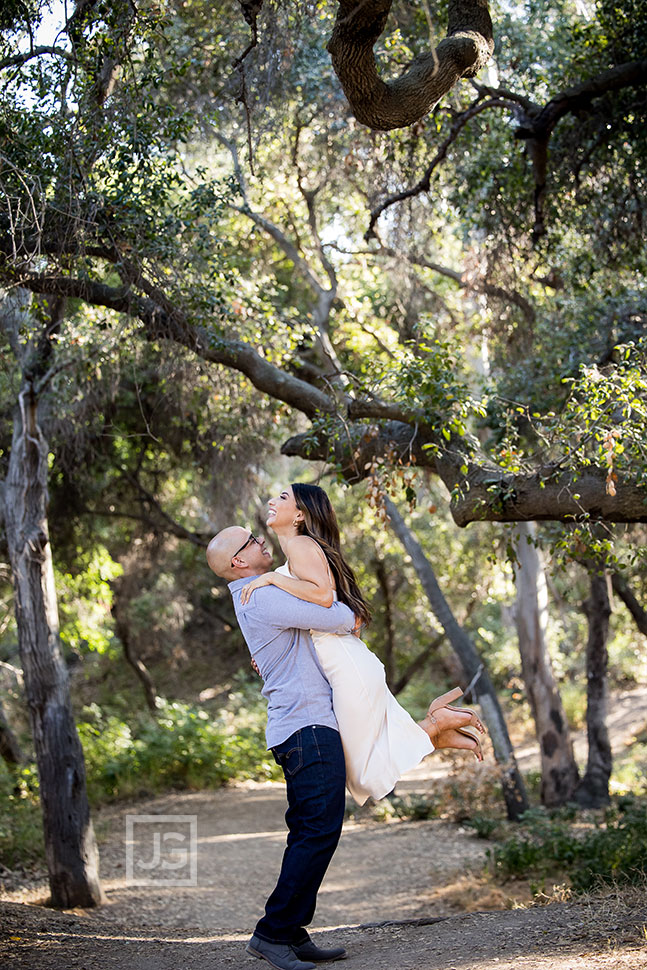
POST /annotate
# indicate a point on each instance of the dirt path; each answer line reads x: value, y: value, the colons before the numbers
x: 420, y: 872
x: 556, y: 937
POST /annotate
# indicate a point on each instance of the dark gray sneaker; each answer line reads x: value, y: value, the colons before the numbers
x: 309, y: 951
x: 278, y: 955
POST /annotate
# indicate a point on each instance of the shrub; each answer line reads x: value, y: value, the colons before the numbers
x: 183, y: 747
x: 615, y: 851
x: 21, y: 824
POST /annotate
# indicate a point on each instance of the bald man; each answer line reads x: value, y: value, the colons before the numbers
x: 303, y: 735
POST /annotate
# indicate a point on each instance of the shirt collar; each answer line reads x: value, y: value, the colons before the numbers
x: 237, y: 584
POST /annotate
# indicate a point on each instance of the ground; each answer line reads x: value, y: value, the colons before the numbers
x: 395, y: 895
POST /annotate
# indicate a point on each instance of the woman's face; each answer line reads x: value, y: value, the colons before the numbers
x: 283, y: 511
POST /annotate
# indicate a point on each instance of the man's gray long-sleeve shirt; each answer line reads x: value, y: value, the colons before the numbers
x: 276, y: 627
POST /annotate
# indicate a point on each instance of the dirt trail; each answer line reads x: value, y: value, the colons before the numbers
x: 382, y: 873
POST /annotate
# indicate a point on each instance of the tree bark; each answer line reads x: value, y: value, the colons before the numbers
x: 593, y: 790
x: 482, y: 688
x: 387, y: 105
x: 70, y: 846
x: 559, y: 774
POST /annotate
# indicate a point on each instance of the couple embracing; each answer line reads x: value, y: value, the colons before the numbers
x: 332, y: 722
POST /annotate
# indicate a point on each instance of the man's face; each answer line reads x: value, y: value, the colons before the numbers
x: 254, y: 553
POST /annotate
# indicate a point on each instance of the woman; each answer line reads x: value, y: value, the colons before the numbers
x: 381, y: 741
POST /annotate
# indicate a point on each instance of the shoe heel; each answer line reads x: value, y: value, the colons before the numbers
x: 445, y: 699
x: 472, y: 732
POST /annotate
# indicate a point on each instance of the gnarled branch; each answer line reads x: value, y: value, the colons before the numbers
x: 480, y: 489
x: 395, y: 104
x: 485, y: 492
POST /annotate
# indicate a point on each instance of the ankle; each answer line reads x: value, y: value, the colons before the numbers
x: 429, y: 725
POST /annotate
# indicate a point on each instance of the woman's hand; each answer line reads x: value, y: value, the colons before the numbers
x: 246, y: 591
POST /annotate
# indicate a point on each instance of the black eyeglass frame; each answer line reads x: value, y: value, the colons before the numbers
x: 252, y: 538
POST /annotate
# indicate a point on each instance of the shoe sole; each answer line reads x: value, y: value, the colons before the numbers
x: 261, y: 956
x: 342, y: 956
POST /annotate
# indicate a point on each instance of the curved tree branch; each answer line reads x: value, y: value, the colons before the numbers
x: 480, y: 489
x: 623, y: 590
x: 537, y: 123
x: 16, y: 60
x: 485, y: 492
x: 535, y: 126
x: 161, y: 324
x: 395, y: 104
x: 477, y: 285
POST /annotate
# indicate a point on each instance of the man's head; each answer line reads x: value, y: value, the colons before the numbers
x: 235, y: 553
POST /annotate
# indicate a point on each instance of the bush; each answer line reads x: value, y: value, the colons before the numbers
x: 21, y: 823
x: 614, y: 852
x: 183, y: 747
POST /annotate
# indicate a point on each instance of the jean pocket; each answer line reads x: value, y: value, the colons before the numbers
x: 291, y: 761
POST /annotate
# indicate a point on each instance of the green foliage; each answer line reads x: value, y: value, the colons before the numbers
x: 613, y: 851
x: 21, y: 821
x: 85, y: 600
x: 484, y: 826
x: 182, y: 747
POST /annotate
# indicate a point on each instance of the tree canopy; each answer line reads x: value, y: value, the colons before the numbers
x: 465, y: 294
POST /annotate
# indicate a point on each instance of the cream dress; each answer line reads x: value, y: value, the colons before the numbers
x: 380, y: 739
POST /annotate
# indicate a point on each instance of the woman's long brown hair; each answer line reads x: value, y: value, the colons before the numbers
x: 320, y: 524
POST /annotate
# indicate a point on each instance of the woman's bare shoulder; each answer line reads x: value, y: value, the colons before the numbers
x: 304, y: 546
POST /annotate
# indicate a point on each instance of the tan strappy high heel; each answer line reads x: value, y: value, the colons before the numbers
x: 469, y: 730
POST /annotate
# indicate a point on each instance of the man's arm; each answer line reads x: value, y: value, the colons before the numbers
x: 284, y: 611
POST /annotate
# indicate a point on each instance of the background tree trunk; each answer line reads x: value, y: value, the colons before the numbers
x: 70, y: 846
x: 621, y: 587
x: 559, y: 774
x: 593, y: 790
x: 122, y: 630
x: 482, y: 688
x: 389, y: 632
x: 418, y: 663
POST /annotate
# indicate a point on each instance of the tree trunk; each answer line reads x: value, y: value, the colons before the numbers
x: 121, y: 628
x: 621, y: 587
x: 9, y: 747
x: 593, y: 790
x: 70, y: 845
x: 389, y: 632
x: 559, y: 774
x: 482, y: 688
x: 417, y: 663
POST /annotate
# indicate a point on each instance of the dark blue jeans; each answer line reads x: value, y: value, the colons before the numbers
x: 312, y: 760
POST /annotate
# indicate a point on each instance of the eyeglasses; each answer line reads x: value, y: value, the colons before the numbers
x: 252, y: 538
